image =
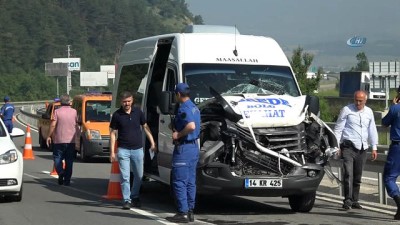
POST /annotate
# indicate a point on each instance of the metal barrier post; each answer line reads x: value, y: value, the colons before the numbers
x: 340, y: 175
x: 381, y: 190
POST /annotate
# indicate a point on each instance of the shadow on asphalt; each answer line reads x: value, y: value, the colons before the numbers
x: 156, y: 198
x: 155, y: 192
x: 125, y: 213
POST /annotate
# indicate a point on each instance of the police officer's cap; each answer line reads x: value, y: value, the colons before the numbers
x: 6, y: 99
x: 182, y: 88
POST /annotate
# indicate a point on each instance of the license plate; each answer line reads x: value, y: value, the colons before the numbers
x: 262, y: 183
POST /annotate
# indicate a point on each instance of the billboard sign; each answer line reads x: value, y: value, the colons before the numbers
x: 110, y: 69
x: 384, y: 68
x: 74, y: 64
x: 93, y: 79
x: 56, y: 69
x: 356, y: 41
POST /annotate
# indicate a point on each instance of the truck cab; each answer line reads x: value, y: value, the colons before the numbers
x: 93, y: 135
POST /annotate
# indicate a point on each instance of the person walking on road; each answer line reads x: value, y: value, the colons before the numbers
x: 392, y: 166
x: 62, y: 136
x: 354, y: 128
x: 185, y: 135
x: 127, y: 122
x: 7, y: 114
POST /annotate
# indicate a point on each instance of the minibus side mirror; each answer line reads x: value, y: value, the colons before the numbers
x: 167, y: 102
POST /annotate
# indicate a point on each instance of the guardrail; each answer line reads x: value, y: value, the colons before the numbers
x: 28, y: 114
x: 26, y: 103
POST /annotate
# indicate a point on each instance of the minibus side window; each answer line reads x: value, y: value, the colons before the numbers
x: 171, y: 82
x: 130, y: 79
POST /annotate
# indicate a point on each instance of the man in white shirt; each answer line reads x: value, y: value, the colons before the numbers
x: 355, y: 128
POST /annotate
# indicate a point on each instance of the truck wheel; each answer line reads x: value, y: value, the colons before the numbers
x: 42, y: 142
x: 82, y: 155
x: 302, y: 203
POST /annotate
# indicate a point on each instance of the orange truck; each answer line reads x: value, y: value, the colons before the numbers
x: 93, y: 133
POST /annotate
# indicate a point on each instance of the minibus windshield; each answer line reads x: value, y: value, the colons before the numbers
x: 233, y: 79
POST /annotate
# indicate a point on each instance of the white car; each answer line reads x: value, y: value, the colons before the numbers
x: 11, y: 164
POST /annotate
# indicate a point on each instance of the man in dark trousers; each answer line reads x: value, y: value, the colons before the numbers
x: 186, y: 154
x: 354, y: 128
x: 7, y: 114
x: 127, y: 122
x: 62, y: 135
x: 392, y: 166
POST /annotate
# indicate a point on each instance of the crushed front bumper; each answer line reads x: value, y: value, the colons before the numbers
x: 217, y: 178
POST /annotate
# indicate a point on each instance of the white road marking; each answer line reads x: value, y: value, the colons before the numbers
x: 31, y: 176
x: 153, y: 216
x: 138, y: 211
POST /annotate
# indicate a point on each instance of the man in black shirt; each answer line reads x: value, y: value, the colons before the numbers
x: 127, y: 122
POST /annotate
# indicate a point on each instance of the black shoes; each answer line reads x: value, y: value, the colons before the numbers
x: 126, y: 205
x: 356, y: 205
x: 347, y: 205
x: 136, y: 203
x: 190, y: 216
x: 61, y: 179
x: 178, y: 218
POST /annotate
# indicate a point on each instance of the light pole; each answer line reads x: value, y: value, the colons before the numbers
x: 69, y: 82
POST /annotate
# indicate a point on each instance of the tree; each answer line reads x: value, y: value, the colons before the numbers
x: 362, y: 63
x: 34, y: 32
x: 301, y: 62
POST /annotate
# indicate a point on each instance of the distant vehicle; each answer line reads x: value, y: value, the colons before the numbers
x: 43, y: 123
x: 311, y: 75
x: 11, y: 164
x: 93, y: 133
x: 360, y: 80
x: 259, y: 135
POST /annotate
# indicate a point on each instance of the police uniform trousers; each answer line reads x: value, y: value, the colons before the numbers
x: 9, y: 125
x: 392, y: 169
x: 184, y: 162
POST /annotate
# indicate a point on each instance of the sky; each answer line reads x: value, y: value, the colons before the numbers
x: 321, y: 27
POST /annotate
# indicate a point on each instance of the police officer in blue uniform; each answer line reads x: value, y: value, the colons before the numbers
x: 186, y: 133
x: 7, y: 114
x: 392, y: 165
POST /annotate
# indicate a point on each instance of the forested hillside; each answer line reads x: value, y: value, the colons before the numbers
x: 35, y: 32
